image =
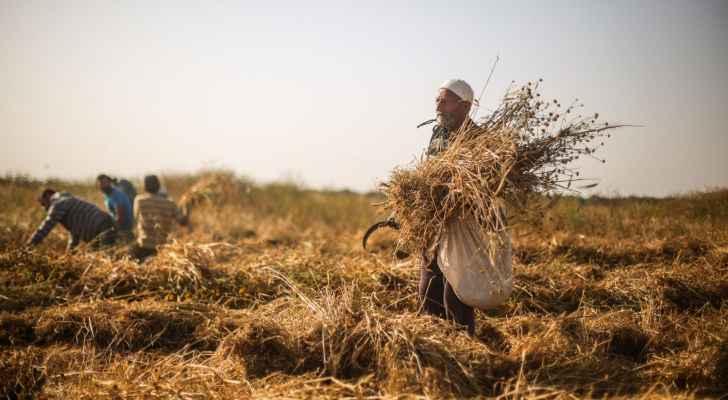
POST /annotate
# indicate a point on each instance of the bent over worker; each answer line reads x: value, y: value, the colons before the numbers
x: 83, y: 220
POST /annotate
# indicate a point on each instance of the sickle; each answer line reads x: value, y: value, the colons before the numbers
x: 381, y: 224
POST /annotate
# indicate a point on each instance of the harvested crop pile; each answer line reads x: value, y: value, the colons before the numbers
x: 213, y: 188
x: 523, y: 148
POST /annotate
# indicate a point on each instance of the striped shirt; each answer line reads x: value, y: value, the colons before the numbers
x: 155, y: 215
x: 82, y: 219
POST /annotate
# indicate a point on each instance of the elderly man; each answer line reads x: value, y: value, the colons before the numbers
x: 118, y: 205
x: 453, y: 105
x: 155, y: 215
x: 85, y: 221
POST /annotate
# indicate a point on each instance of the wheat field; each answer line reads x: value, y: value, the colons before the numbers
x: 268, y: 294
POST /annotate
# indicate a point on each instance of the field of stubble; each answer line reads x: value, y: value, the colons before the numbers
x: 269, y: 294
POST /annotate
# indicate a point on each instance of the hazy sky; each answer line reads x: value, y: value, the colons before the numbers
x: 329, y: 93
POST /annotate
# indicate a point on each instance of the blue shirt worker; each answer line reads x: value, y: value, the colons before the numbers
x: 118, y: 204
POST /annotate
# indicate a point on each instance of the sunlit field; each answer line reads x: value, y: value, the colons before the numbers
x: 269, y: 294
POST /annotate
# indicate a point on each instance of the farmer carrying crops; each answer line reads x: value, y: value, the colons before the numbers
x: 155, y: 214
x: 118, y: 204
x: 85, y: 221
x: 453, y: 104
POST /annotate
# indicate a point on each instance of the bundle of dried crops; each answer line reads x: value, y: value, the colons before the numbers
x: 215, y: 188
x: 523, y: 148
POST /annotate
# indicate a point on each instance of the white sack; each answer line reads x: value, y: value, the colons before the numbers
x: 477, y: 266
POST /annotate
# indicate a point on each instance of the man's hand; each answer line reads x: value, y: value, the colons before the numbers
x: 27, y: 246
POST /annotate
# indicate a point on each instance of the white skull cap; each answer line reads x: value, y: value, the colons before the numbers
x: 460, y: 88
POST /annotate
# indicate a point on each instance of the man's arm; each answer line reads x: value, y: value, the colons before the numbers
x: 136, y: 209
x: 180, y: 217
x: 73, y: 242
x: 121, y: 214
x: 55, y: 214
x: 108, y: 202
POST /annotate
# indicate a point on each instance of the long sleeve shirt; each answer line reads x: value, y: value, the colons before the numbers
x: 82, y: 219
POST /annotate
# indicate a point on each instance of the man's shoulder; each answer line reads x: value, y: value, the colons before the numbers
x: 60, y: 199
x: 126, y: 184
x: 148, y: 198
x: 118, y: 195
x: 142, y: 197
x: 68, y: 202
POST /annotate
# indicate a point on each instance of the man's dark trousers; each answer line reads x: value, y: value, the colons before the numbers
x: 438, y: 297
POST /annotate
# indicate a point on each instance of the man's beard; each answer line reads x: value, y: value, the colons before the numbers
x: 446, y: 120
x: 107, y: 189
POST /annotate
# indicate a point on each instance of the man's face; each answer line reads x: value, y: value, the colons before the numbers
x: 104, y: 185
x: 45, y: 201
x: 450, y: 109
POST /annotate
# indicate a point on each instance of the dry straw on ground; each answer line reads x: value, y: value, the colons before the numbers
x: 523, y: 148
x: 616, y: 298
